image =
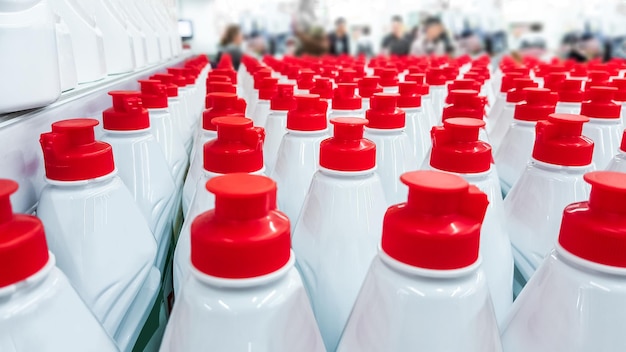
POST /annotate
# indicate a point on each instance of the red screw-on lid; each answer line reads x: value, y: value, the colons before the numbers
x: 346, y: 75
x: 559, y: 141
x: 244, y: 236
x: 127, y: 112
x: 410, y: 95
x: 309, y: 114
x: 226, y: 62
x: 221, y: 104
x: 190, y: 75
x: 424, y: 89
x: 260, y: 75
x: 620, y: 84
x: 232, y: 74
x: 522, y: 70
x: 23, y: 247
x: 169, y: 80
x: 595, y: 230
x: 435, y: 77
x: 518, y: 94
x: 416, y: 69
x: 538, y: 104
x: 451, y: 72
x: 456, y: 147
x: 508, y: 82
x: 180, y: 76
x: 384, y: 113
x: 570, y: 91
x: 600, y: 103
x: 439, y: 226
x: 71, y: 152
x: 237, y: 148
x: 283, y: 99
x: 212, y: 77
x: 219, y: 87
x: 153, y: 94
x: 345, y: 98
x: 464, y: 103
x: 267, y: 88
x: 623, y: 145
x: 554, y: 80
x: 388, y: 77
x: 579, y: 70
x: 464, y: 83
x: 323, y: 88
x: 305, y: 80
x: 597, y: 79
x: 347, y: 150
x: 368, y: 86
x: 293, y: 72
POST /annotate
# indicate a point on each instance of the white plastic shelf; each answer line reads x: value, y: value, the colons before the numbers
x: 21, y: 158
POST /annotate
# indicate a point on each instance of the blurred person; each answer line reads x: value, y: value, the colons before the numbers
x: 533, y: 42
x: 231, y: 43
x: 364, y: 44
x: 433, y: 39
x: 338, y: 41
x: 312, y: 42
x: 471, y: 43
x: 397, y: 42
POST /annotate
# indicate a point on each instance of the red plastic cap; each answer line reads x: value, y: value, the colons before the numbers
x: 464, y: 83
x: 438, y: 227
x: 620, y: 84
x: 244, y: 236
x: 153, y: 94
x: 435, y: 77
x: 213, y: 77
x: 388, y: 77
x: 579, y: 71
x: 456, y: 147
x: 346, y: 75
x: 600, y: 103
x: 283, y: 100
x: 597, y: 79
x: 559, y: 141
x: 169, y: 80
x: 219, y: 87
x: 179, y: 74
x: 260, y: 75
x: 623, y: 145
x: 384, y: 113
x: 418, y: 78
x: 23, y: 247
x: 369, y: 86
x: 232, y: 74
x: 71, y: 152
x: 451, y: 72
x: 595, y: 230
x: 237, y: 148
x: 347, y: 150
x: 464, y: 103
x: 345, y: 98
x: 570, y: 91
x: 517, y: 94
x: 554, y: 80
x: 538, y: 105
x: 305, y: 79
x: 127, y: 112
x: 323, y: 88
x: 267, y: 88
x: 221, y: 104
x: 410, y: 95
x: 508, y: 81
x: 308, y: 115
x: 226, y: 62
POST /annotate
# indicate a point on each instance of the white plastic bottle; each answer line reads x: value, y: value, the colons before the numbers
x: 345, y: 102
x: 34, y: 65
x: 237, y: 148
x: 619, y: 161
x: 176, y: 107
x: 184, y: 94
x: 425, y: 290
x: 116, y: 38
x: 424, y: 91
x: 97, y: 232
x: 570, y: 97
x: 458, y: 150
x: 222, y: 104
x: 368, y: 86
x: 517, y: 144
x: 620, y: 95
x: 576, y: 299
x: 87, y: 40
x: 507, y: 84
x: 243, y: 292
x: 503, y: 122
x: 267, y: 89
x: 417, y: 123
x: 65, y: 55
x: 466, y: 103
x: 605, y: 124
x: 276, y: 123
x: 142, y: 165
x: 437, y: 84
x: 386, y: 128
x: 40, y: 310
x: 340, y: 224
x: 298, y: 154
x: 552, y: 179
x: 253, y: 97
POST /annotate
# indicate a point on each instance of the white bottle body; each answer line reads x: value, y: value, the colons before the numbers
x: 607, y: 137
x: 418, y: 129
x: 260, y: 112
x: 275, y: 129
x: 618, y: 163
x: 167, y: 136
x: 429, y: 111
x: 438, y: 96
x: 570, y: 304
x: 360, y: 113
x: 116, y: 39
x: 495, y: 111
x: 43, y: 313
x: 534, y: 208
x: 403, y: 308
x: 196, y: 168
x: 567, y: 108
x: 102, y: 243
x: 501, y: 125
x: 270, y: 313
x: 513, y: 155
x: 335, y: 240
x: 394, y: 157
x: 65, y: 51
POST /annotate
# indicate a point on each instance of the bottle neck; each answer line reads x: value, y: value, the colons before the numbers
x: 129, y: 133
x: 471, y: 178
x: 297, y: 133
x: 102, y: 180
x: 346, y: 174
x: 391, y: 132
x: 409, y: 270
x: 585, y: 265
x: 560, y: 168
